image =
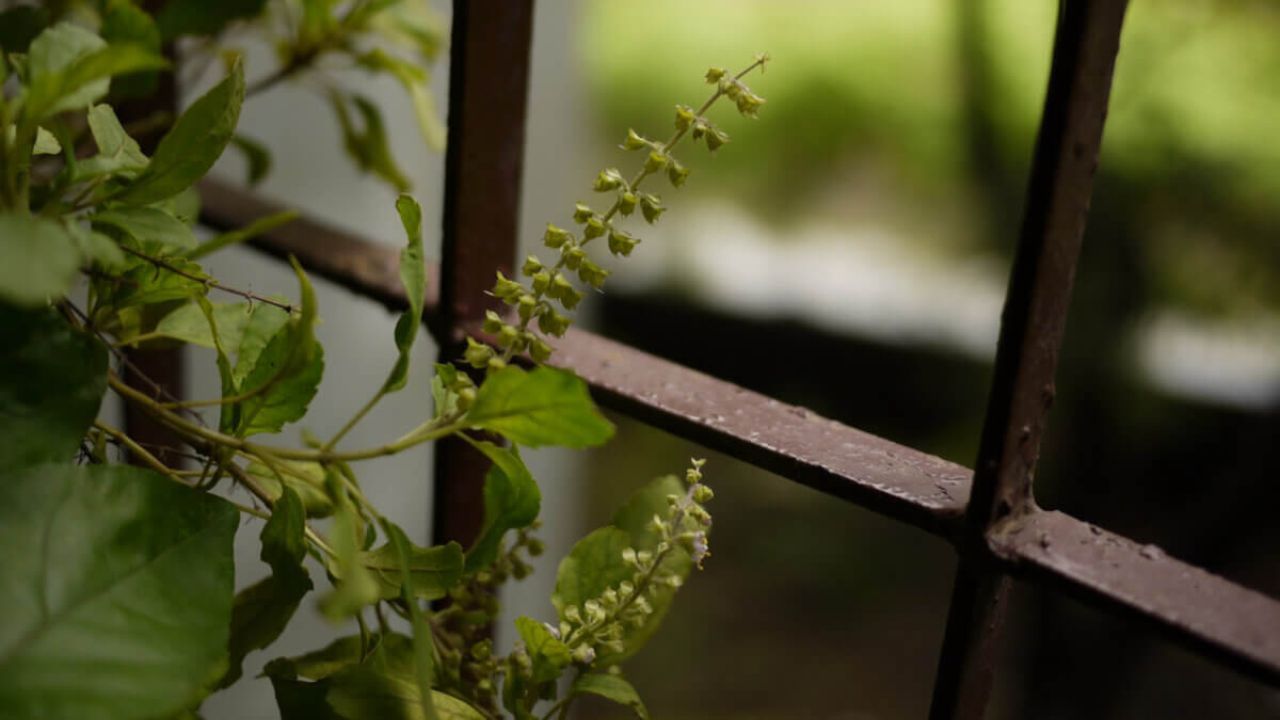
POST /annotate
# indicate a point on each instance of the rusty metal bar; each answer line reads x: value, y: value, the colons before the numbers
x: 1190, y: 605
x: 1035, y: 313
x: 488, y: 91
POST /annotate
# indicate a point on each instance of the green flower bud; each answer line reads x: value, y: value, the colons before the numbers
x: 593, y: 229
x: 629, y: 557
x: 625, y: 589
x: 608, y: 179
x: 540, y: 351
x: 582, y: 213
x: 656, y: 161
x: 715, y: 138
x: 749, y: 103
x: 657, y: 524
x: 554, y: 237
x: 565, y: 629
x: 573, y: 257
x: 482, y: 650
x: 507, y: 336
x: 569, y: 297
x: 677, y: 173
x: 634, y: 141
x: 477, y: 355
x: 621, y: 242
x: 553, y: 323
x: 526, y: 306
x: 715, y: 74
x: 700, y: 127
x: 507, y: 290
x: 684, y: 117
x: 496, y: 364
x: 466, y: 398
x: 644, y: 557
x: 627, y: 203
x: 732, y: 88
x: 584, y: 654
x: 571, y: 613
x: 609, y: 597
x: 697, y: 463
x: 535, y: 546
x: 651, y: 207
x: 673, y: 581
x: 592, y: 274
x: 595, y: 613
x: 531, y: 265
x: 492, y: 322
x: 702, y: 494
x: 540, y: 281
x: 692, y: 476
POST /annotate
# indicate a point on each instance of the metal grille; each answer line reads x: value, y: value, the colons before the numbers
x: 989, y: 514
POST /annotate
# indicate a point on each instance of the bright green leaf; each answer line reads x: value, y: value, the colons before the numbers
x: 591, y: 567
x: 413, y: 275
x: 512, y: 500
x: 304, y: 478
x: 282, y: 391
x: 356, y: 586
x: 40, y: 259
x: 70, y: 67
x: 370, y: 148
x: 189, y: 324
x: 52, y: 379
x: 118, y: 154
x: 550, y: 656
x: 364, y: 693
x: 611, y: 687
x: 545, y: 406
x: 46, y: 143
x: 119, y: 606
x: 153, y: 230
x: 433, y: 570
x: 192, y: 145
x: 97, y: 249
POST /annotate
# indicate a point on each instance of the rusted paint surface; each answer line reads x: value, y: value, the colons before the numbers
x: 1208, y: 613
x: 1031, y: 329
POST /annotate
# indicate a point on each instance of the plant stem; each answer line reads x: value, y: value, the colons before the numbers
x: 206, y: 281
x: 355, y: 419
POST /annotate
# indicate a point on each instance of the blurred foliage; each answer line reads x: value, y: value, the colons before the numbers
x: 880, y: 109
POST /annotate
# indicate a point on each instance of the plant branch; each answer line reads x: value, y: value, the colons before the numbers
x: 206, y: 281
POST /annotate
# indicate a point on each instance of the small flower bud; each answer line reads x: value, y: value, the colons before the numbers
x: 540, y: 281
x: 692, y: 475
x: 540, y: 351
x: 496, y: 364
x: 509, y: 291
x: 621, y: 242
x: 554, y: 237
x: 584, y: 654
x: 520, y: 569
x: 482, y: 650
x: 697, y: 463
x: 492, y: 322
x: 644, y: 557
x: 657, y: 524
x: 629, y: 556
x: 673, y: 500
x: 565, y: 629
x: 702, y: 494
x: 571, y: 613
x: 609, y: 597
x: 677, y: 173
x: 684, y: 117
x: 627, y: 203
x: 477, y: 355
x: 560, y: 286
x: 594, y: 228
x: 532, y: 265
x: 582, y: 213
x: 570, y: 297
x: 656, y: 161
x: 700, y: 127
x: 466, y: 398
x: 715, y: 74
x: 651, y: 207
x: 715, y: 138
x: 573, y: 256
x: 608, y: 179
x: 526, y: 306
x: 592, y: 274
x: 507, y: 336
x: 749, y: 103
x: 595, y: 613
x: 553, y: 323
x: 673, y: 581
x: 535, y: 547
x: 634, y: 141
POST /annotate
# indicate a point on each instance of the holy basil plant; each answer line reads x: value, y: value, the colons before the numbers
x: 117, y: 585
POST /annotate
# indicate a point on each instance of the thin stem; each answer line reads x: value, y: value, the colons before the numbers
x: 206, y: 281
x: 355, y: 419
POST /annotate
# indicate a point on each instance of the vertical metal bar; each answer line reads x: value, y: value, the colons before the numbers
x: 488, y: 89
x: 1035, y: 312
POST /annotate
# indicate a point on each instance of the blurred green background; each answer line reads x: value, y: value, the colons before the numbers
x: 848, y: 251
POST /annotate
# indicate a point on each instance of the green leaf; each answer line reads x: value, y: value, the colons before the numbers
x: 413, y: 275
x: 119, y: 607
x: 304, y: 478
x: 423, y: 642
x: 262, y: 610
x: 512, y: 500
x: 433, y: 570
x: 550, y: 656
x: 97, y: 249
x: 264, y: 324
x: 52, y: 379
x: 70, y: 67
x: 543, y: 407
x: 234, y: 237
x: 306, y: 700
x: 610, y: 687
x: 370, y: 149
x: 257, y: 157
x: 201, y: 17
x: 356, y: 586
x: 188, y: 324
x: 192, y: 145
x: 591, y: 567
x: 363, y: 693
x: 414, y: 80
x: 144, y: 283
x: 46, y: 143
x: 40, y: 259
x: 126, y: 23
x: 153, y: 230
x: 118, y: 154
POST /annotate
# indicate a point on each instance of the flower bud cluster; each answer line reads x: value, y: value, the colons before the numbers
x: 601, y: 623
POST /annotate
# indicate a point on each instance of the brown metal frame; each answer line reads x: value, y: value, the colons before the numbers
x: 990, y: 516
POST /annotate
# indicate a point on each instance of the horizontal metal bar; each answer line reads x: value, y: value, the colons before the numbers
x: 1209, y: 614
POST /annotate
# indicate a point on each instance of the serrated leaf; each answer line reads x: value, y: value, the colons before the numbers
x: 40, y: 259
x: 153, y: 230
x: 512, y: 500
x: 189, y: 324
x: 544, y: 406
x: 120, y: 606
x: 52, y: 379
x: 550, y: 656
x: 413, y: 275
x: 264, y: 324
x: 611, y: 687
x: 192, y: 145
x: 433, y: 570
